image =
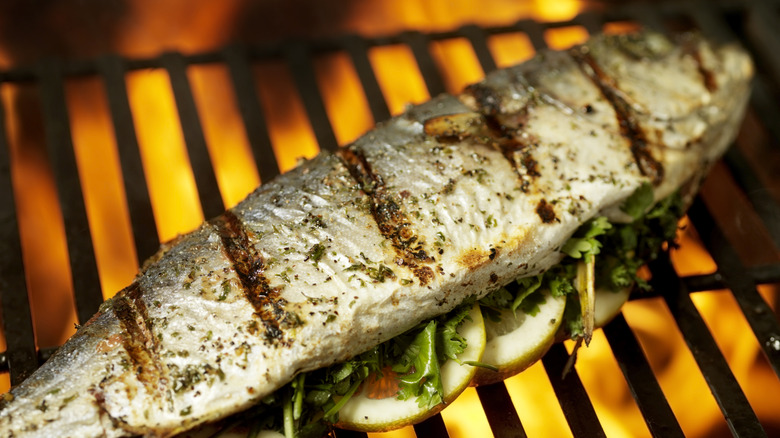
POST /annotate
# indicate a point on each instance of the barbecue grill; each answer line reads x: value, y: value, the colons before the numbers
x: 753, y: 23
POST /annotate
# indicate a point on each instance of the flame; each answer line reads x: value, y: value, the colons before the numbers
x: 345, y: 103
x: 171, y: 184
x: 224, y: 131
x: 564, y: 37
x: 387, y: 17
x: 177, y: 210
x: 398, y: 76
x: 41, y: 227
x: 149, y: 27
x: 98, y: 162
x: 289, y: 128
x: 510, y: 48
x: 457, y: 63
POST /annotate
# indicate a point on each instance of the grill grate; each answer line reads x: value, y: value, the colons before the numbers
x: 724, y: 20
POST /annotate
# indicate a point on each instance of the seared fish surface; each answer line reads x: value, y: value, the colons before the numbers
x: 449, y: 200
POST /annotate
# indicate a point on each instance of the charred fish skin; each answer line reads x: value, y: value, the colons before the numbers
x: 447, y: 201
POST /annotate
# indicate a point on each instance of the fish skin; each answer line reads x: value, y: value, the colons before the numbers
x: 446, y: 201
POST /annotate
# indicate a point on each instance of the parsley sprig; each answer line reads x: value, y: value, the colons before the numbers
x: 620, y: 250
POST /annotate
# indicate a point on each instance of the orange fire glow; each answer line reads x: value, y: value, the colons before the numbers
x: 177, y: 209
x: 41, y: 226
x: 171, y: 183
x: 98, y: 163
x: 398, y: 77
x: 289, y: 128
x: 343, y: 96
x: 225, y: 135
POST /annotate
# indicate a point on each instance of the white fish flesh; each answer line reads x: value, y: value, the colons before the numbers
x: 449, y: 200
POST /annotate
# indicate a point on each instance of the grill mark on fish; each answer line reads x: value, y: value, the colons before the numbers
x: 708, y: 77
x: 629, y: 127
x: 504, y: 132
x: 518, y: 150
x: 388, y: 215
x: 546, y: 212
x: 485, y: 98
x: 249, y: 266
x: 137, y: 337
x: 105, y: 415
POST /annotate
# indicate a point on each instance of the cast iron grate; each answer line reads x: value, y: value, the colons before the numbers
x: 724, y: 20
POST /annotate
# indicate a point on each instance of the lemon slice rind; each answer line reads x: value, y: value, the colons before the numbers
x: 378, y: 415
x: 519, y: 340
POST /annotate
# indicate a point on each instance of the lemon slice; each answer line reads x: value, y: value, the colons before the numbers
x: 518, y: 340
x: 608, y: 304
x: 382, y: 414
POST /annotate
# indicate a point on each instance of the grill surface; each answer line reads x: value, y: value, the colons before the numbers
x: 724, y: 20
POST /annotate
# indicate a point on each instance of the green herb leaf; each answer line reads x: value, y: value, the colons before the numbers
x: 528, y: 286
x: 530, y: 305
x: 450, y: 342
x: 585, y: 243
x: 636, y: 204
x: 315, y: 253
x: 421, y: 376
x: 572, y: 318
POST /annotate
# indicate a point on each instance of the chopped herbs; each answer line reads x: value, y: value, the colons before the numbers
x: 225, y: 287
x: 379, y: 274
x: 315, y: 253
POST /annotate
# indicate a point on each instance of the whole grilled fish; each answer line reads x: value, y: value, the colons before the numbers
x: 449, y: 200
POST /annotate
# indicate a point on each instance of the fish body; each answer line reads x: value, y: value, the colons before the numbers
x: 450, y: 200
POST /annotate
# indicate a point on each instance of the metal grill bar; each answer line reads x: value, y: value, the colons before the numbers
x: 728, y: 394
x: 433, y: 427
x: 358, y: 51
x: 205, y: 178
x: 500, y: 411
x: 251, y: 112
x: 762, y: 200
x: 741, y: 285
x: 535, y: 33
x: 299, y: 57
x: 145, y: 237
x: 419, y: 44
x: 764, y: 274
x: 476, y: 37
x: 641, y: 381
x: 578, y: 410
x: 63, y: 159
x: 571, y: 394
x: 21, y: 357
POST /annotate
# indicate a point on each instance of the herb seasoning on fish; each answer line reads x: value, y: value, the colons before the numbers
x: 438, y: 206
